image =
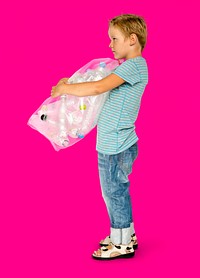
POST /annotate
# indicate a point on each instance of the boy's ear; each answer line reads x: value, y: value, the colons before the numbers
x: 133, y: 39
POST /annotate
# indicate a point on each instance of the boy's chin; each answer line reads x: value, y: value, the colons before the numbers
x: 117, y: 56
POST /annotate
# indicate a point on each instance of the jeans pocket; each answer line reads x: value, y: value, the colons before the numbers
x: 125, y: 164
x: 134, y: 151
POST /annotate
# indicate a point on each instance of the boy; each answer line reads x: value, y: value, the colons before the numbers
x: 116, y: 137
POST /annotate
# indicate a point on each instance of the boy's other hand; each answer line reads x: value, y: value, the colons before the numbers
x: 58, y: 90
x: 63, y: 80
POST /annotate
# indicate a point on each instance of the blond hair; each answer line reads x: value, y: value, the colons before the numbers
x: 131, y: 24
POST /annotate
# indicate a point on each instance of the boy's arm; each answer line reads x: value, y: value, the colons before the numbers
x: 88, y: 88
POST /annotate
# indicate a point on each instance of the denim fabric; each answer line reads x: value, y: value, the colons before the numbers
x: 113, y: 172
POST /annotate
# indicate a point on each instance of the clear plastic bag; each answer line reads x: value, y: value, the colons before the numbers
x: 67, y: 119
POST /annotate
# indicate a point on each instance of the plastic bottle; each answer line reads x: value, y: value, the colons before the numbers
x: 101, y: 71
x: 62, y: 137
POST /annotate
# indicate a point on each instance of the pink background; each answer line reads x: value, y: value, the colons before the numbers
x: 52, y: 212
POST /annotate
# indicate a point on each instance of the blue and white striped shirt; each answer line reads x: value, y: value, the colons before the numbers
x: 116, y: 124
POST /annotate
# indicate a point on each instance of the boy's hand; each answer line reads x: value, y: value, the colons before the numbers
x: 63, y: 80
x: 58, y: 90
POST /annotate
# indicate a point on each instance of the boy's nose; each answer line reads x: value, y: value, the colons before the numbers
x: 110, y: 45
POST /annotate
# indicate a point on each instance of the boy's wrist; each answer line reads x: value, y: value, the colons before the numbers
x: 64, y: 88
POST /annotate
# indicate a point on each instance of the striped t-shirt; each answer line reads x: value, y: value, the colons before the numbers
x: 116, y: 124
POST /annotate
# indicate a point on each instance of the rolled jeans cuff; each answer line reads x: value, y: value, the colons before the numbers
x: 121, y: 236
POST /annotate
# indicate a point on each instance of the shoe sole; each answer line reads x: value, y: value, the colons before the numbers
x: 124, y: 256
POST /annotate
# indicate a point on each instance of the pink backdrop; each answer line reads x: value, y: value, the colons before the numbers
x: 52, y: 212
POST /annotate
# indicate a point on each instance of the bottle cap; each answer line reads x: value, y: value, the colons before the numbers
x: 102, y: 64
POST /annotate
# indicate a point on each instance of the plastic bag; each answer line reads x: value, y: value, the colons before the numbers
x: 65, y: 120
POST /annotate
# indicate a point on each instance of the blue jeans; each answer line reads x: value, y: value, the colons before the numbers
x: 113, y: 172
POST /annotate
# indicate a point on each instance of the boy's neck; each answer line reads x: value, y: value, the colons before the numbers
x: 134, y: 55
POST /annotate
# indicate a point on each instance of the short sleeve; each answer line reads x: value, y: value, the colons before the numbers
x: 129, y: 72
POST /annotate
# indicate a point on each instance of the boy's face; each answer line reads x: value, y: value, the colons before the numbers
x: 120, y: 46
